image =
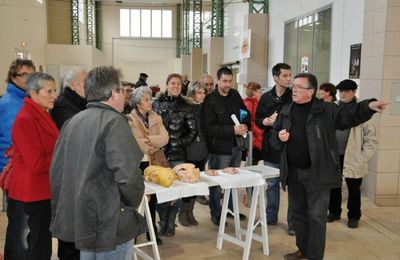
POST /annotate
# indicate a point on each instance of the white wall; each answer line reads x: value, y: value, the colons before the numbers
x: 347, y: 28
x: 21, y: 21
x: 156, y: 57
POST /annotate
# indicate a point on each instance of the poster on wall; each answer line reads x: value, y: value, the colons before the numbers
x: 355, y: 61
x: 245, y: 45
x: 304, y: 64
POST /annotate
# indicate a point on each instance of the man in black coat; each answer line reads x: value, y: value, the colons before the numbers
x: 268, y: 108
x: 72, y: 98
x: 142, y: 80
x: 221, y: 132
x: 304, y: 132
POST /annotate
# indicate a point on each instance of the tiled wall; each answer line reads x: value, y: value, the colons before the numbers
x: 380, y: 69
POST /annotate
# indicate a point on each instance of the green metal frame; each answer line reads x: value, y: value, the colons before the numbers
x: 89, y: 21
x: 258, y: 6
x: 178, y: 30
x: 217, y: 18
x: 186, y: 8
x: 75, y: 21
x: 197, y: 24
x: 98, y: 28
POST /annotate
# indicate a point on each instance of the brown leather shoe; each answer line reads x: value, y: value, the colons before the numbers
x: 295, y: 256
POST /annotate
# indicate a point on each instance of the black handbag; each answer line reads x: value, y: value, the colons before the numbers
x: 197, y: 150
x: 242, y: 142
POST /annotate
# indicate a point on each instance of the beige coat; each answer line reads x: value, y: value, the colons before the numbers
x: 360, y: 148
x: 157, y: 135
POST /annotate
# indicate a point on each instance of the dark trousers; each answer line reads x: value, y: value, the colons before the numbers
x: 354, y: 200
x: 67, y: 251
x: 39, y: 237
x: 16, y: 244
x: 309, y: 204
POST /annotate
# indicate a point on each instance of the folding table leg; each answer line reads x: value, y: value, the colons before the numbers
x: 264, y: 225
x: 250, y: 223
x: 221, y: 229
x: 235, y: 202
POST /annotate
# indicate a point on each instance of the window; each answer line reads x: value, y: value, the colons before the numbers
x: 145, y: 23
x: 307, y: 44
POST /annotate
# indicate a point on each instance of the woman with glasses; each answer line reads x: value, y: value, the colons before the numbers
x: 151, y: 135
x: 34, y: 135
x: 178, y: 119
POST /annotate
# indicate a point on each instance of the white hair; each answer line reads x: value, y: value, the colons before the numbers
x: 71, y: 74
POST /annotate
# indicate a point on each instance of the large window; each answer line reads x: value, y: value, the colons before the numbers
x: 308, y: 44
x: 145, y: 23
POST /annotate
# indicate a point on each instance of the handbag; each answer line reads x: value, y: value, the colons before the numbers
x: 158, y: 157
x: 5, y: 173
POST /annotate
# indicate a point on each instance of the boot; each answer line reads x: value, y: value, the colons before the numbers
x: 163, y: 222
x: 190, y: 215
x: 170, y: 229
x: 183, y: 214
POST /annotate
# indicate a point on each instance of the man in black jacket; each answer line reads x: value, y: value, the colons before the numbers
x: 72, y: 98
x: 221, y: 132
x: 268, y: 108
x: 304, y: 131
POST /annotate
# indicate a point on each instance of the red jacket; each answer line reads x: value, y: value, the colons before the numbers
x: 251, y: 104
x: 34, y: 136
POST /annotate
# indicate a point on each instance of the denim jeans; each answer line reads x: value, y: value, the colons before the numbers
x: 221, y: 161
x: 273, y: 199
x: 122, y: 252
x: 16, y: 244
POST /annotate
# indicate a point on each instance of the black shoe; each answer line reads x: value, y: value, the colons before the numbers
x: 216, y: 221
x: 272, y: 223
x: 241, y: 216
x: 291, y: 232
x: 202, y: 200
x: 295, y: 256
x: 332, y: 217
x: 352, y: 223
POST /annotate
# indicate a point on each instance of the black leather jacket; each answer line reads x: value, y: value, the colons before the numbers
x: 178, y: 118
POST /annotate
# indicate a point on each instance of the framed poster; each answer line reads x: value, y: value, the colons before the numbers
x: 355, y: 61
x: 245, y: 45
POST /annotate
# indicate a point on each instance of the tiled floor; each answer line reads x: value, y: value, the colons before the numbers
x: 378, y: 237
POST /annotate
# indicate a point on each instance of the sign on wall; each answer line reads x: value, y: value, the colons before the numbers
x: 355, y: 61
x: 304, y: 64
x: 245, y: 45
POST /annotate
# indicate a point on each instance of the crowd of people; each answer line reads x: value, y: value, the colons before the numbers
x: 78, y: 157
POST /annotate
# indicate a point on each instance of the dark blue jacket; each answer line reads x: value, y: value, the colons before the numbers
x: 10, y: 104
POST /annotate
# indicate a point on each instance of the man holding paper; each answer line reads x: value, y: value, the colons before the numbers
x: 223, y: 135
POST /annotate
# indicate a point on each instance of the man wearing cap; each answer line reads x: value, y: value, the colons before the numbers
x: 356, y: 147
x: 142, y: 80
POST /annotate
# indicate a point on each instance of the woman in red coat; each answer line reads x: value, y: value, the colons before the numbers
x: 253, y: 93
x: 34, y: 135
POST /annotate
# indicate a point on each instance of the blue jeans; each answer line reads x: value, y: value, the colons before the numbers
x: 221, y: 161
x: 273, y: 199
x: 16, y: 245
x: 122, y: 252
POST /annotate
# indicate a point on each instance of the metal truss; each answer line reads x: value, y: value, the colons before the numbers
x: 217, y: 18
x: 186, y: 8
x: 75, y: 21
x: 258, y: 6
x: 98, y: 28
x: 197, y: 24
x: 178, y: 30
x: 89, y: 21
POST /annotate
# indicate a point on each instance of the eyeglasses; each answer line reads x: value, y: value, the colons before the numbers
x: 299, y: 87
x: 121, y: 90
x: 23, y: 74
x: 128, y: 90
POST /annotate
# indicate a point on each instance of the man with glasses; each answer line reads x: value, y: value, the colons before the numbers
x: 304, y: 132
x: 10, y: 104
x: 128, y: 89
x: 268, y: 108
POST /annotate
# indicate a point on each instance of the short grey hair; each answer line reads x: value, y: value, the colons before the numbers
x: 195, y: 86
x: 35, y: 81
x: 71, y: 75
x: 138, y: 94
x: 100, y: 82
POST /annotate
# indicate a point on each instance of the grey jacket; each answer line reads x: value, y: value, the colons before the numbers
x: 95, y: 180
